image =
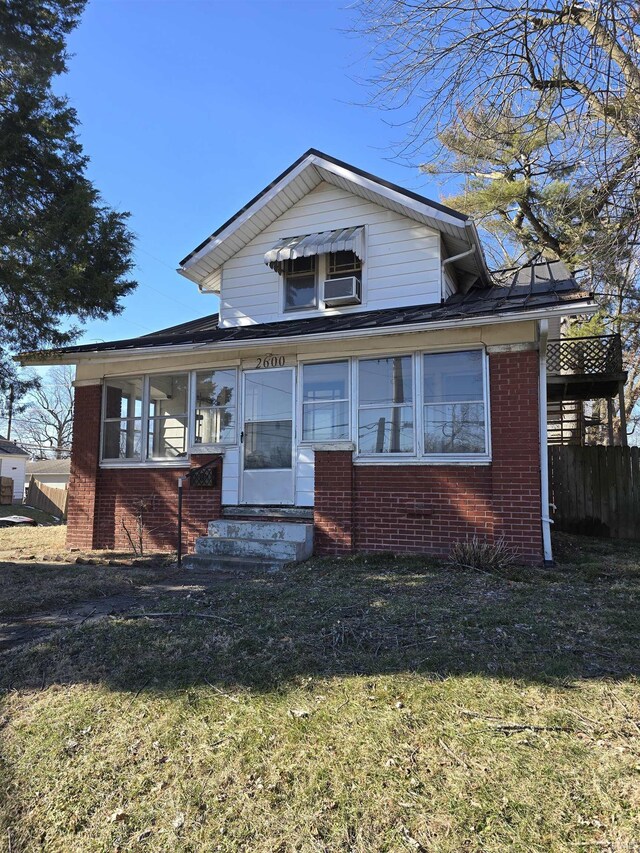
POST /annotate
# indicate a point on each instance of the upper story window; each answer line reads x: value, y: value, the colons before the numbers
x: 308, y: 263
x: 340, y: 264
x: 300, y: 283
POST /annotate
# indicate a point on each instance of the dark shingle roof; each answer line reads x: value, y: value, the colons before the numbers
x: 8, y: 448
x: 527, y: 288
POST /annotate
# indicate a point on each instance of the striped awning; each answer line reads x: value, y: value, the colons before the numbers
x: 342, y: 240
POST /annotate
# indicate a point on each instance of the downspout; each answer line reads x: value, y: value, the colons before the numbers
x: 544, y: 453
x: 452, y: 260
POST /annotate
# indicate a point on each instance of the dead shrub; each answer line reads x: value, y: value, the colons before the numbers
x: 482, y: 556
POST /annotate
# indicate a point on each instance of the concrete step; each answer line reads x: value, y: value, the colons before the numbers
x: 278, y: 531
x: 231, y: 565
x: 299, y: 513
x: 278, y: 549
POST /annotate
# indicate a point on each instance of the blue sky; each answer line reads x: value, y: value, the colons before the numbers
x: 190, y: 107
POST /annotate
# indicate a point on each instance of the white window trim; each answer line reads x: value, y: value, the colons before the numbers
x: 417, y: 457
x: 468, y: 458
x: 201, y: 447
x: 396, y: 457
x: 309, y: 442
x: 191, y: 447
x: 321, y: 274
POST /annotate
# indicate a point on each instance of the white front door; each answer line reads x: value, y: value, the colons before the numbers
x: 267, y: 437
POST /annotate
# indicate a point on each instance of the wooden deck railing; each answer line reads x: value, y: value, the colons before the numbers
x: 589, y: 356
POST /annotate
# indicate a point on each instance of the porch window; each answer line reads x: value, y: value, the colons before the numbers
x: 216, y: 405
x: 385, y: 405
x: 325, y: 401
x: 454, y: 407
x: 300, y: 283
x: 168, y: 416
x: 122, y: 426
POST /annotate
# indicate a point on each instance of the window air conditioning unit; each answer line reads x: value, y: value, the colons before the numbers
x: 341, y: 291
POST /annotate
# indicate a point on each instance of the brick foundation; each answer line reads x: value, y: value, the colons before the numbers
x: 425, y: 508
x: 105, y: 502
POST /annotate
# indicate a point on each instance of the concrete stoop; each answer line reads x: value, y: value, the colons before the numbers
x: 246, y: 546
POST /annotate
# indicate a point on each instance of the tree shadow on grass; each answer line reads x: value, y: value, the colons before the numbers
x: 366, y: 615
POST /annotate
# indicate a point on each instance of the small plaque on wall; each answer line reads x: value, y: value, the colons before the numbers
x: 204, y: 478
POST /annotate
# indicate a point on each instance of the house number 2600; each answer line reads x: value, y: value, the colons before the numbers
x: 270, y: 360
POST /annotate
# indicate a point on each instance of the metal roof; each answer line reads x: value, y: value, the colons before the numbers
x: 525, y: 289
x: 321, y: 243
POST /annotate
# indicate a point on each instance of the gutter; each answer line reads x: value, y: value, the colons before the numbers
x: 46, y: 358
x: 545, y: 499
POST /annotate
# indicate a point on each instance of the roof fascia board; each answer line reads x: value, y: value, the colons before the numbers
x: 345, y: 172
x: 583, y: 306
x: 388, y: 192
x: 237, y: 221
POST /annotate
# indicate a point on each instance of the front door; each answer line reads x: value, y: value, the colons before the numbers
x: 267, y: 437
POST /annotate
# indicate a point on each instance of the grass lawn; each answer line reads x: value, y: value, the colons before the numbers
x: 32, y: 577
x: 370, y: 704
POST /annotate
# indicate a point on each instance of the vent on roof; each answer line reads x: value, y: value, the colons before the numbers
x: 341, y: 291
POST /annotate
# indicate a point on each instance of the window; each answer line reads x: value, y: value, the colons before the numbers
x: 122, y: 430
x: 340, y: 264
x: 167, y: 416
x: 325, y: 401
x: 216, y: 403
x: 385, y: 405
x: 454, y: 408
x: 300, y: 283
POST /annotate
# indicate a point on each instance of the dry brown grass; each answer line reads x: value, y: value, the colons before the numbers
x: 37, y: 572
x: 357, y: 705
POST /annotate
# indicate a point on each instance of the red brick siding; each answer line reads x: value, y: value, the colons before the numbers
x: 102, y: 501
x: 515, y: 427
x: 333, y: 503
x: 84, y: 466
x: 420, y: 508
x: 425, y: 508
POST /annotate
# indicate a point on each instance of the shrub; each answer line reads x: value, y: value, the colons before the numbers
x: 483, y: 556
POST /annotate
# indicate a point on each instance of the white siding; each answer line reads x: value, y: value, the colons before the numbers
x: 402, y: 264
x: 14, y: 467
x: 231, y: 476
x: 304, y: 476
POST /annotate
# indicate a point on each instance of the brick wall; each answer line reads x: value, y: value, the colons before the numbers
x: 425, y: 508
x: 105, y: 502
x: 333, y: 503
x: 84, y: 466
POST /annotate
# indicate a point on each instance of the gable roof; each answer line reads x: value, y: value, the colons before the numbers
x: 458, y: 231
x: 49, y: 466
x: 536, y: 288
x: 9, y: 448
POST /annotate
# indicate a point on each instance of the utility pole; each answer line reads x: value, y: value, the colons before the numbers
x: 10, y: 410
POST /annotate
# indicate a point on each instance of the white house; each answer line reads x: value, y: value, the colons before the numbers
x: 365, y: 372
x: 13, y: 459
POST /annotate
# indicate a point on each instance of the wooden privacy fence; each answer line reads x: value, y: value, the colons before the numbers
x: 596, y: 490
x: 47, y: 498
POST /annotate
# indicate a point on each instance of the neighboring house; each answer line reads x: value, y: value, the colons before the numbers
x: 50, y: 472
x: 365, y: 369
x: 13, y: 459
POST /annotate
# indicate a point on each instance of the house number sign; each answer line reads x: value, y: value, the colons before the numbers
x: 270, y: 360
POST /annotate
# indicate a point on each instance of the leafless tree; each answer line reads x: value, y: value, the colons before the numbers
x: 566, y: 72
x: 45, y: 427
